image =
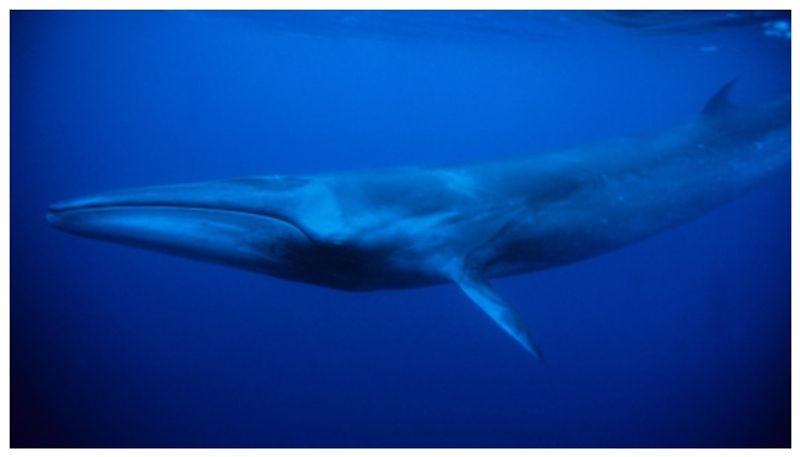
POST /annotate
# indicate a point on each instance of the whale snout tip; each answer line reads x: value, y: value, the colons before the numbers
x: 51, y: 217
x: 54, y: 216
x: 58, y: 213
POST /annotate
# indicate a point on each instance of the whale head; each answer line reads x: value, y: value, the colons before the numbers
x: 240, y: 222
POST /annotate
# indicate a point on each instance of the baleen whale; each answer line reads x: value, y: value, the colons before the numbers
x: 465, y: 224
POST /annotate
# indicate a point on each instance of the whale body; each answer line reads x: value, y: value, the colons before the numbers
x: 465, y: 224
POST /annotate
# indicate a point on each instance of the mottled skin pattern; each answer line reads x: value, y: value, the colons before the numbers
x: 412, y: 227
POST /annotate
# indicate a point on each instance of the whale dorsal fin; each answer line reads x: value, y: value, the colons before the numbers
x: 720, y: 101
x: 480, y: 291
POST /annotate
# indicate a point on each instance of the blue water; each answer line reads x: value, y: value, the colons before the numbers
x: 681, y: 340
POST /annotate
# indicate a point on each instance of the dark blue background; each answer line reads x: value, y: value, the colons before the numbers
x: 681, y: 340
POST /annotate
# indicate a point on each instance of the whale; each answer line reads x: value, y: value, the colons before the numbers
x: 463, y: 224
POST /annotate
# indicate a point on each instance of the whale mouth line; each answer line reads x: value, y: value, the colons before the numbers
x: 55, y: 212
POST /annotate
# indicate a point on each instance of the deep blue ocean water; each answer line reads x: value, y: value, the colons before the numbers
x: 681, y: 340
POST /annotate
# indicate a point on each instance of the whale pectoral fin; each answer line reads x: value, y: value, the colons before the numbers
x: 480, y: 291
